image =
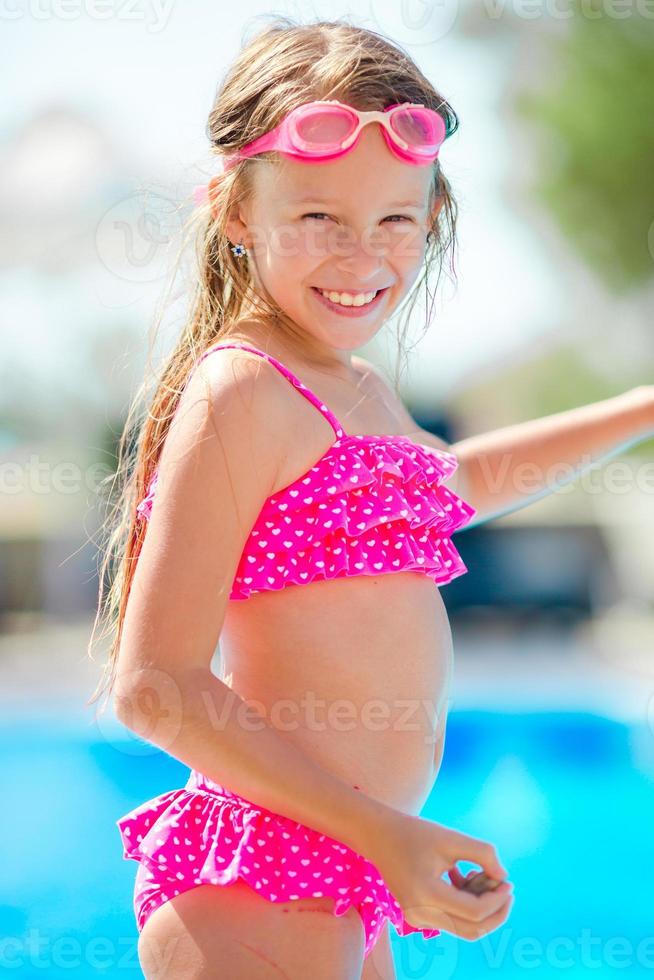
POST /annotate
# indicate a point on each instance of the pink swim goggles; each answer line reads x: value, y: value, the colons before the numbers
x: 328, y: 129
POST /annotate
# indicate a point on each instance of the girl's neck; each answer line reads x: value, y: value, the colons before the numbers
x: 293, y: 344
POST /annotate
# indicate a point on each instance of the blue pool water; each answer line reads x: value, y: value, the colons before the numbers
x: 567, y: 798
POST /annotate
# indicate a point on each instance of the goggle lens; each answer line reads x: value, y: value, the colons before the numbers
x: 325, y: 127
x: 418, y: 129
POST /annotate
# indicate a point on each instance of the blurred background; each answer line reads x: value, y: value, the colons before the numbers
x: 550, y: 743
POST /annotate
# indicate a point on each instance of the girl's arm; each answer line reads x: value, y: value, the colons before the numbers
x: 508, y: 468
x: 504, y: 470
x: 219, y: 463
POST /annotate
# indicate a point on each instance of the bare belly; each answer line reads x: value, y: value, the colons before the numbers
x: 354, y: 671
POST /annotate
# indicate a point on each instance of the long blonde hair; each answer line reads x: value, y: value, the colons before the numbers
x: 280, y: 67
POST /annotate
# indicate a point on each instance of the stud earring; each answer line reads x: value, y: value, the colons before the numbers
x: 239, y: 250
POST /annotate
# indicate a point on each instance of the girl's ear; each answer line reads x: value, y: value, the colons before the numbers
x: 235, y: 226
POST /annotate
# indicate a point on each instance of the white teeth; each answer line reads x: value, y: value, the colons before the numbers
x: 347, y: 299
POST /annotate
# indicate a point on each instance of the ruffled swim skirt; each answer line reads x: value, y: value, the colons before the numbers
x: 205, y: 834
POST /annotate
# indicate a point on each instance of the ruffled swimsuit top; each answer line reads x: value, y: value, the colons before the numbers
x: 372, y: 505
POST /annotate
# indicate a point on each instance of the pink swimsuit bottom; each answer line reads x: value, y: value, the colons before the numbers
x: 205, y: 834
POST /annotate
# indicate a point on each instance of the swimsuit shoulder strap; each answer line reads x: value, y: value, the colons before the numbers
x: 295, y: 381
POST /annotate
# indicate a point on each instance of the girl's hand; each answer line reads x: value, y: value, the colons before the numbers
x: 414, y: 853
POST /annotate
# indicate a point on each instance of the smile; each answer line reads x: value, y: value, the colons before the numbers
x: 358, y: 305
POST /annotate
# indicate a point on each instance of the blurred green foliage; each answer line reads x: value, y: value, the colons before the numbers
x: 597, y: 105
x: 547, y: 383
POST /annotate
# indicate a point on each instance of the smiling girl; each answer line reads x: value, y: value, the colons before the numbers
x: 285, y: 504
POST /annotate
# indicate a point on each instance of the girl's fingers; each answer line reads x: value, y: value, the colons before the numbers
x: 463, y: 905
x: 456, y: 877
x: 475, y: 930
x: 461, y: 847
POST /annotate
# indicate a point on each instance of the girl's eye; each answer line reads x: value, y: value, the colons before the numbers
x: 320, y: 214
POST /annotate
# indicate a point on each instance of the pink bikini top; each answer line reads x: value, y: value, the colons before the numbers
x: 369, y: 506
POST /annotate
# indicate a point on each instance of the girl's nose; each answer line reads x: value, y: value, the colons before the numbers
x: 361, y: 259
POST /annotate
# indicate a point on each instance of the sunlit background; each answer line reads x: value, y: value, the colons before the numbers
x: 550, y: 744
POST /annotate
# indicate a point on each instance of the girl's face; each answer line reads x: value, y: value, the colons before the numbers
x: 356, y: 224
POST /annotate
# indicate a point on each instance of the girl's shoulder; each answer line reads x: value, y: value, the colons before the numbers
x: 234, y: 382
